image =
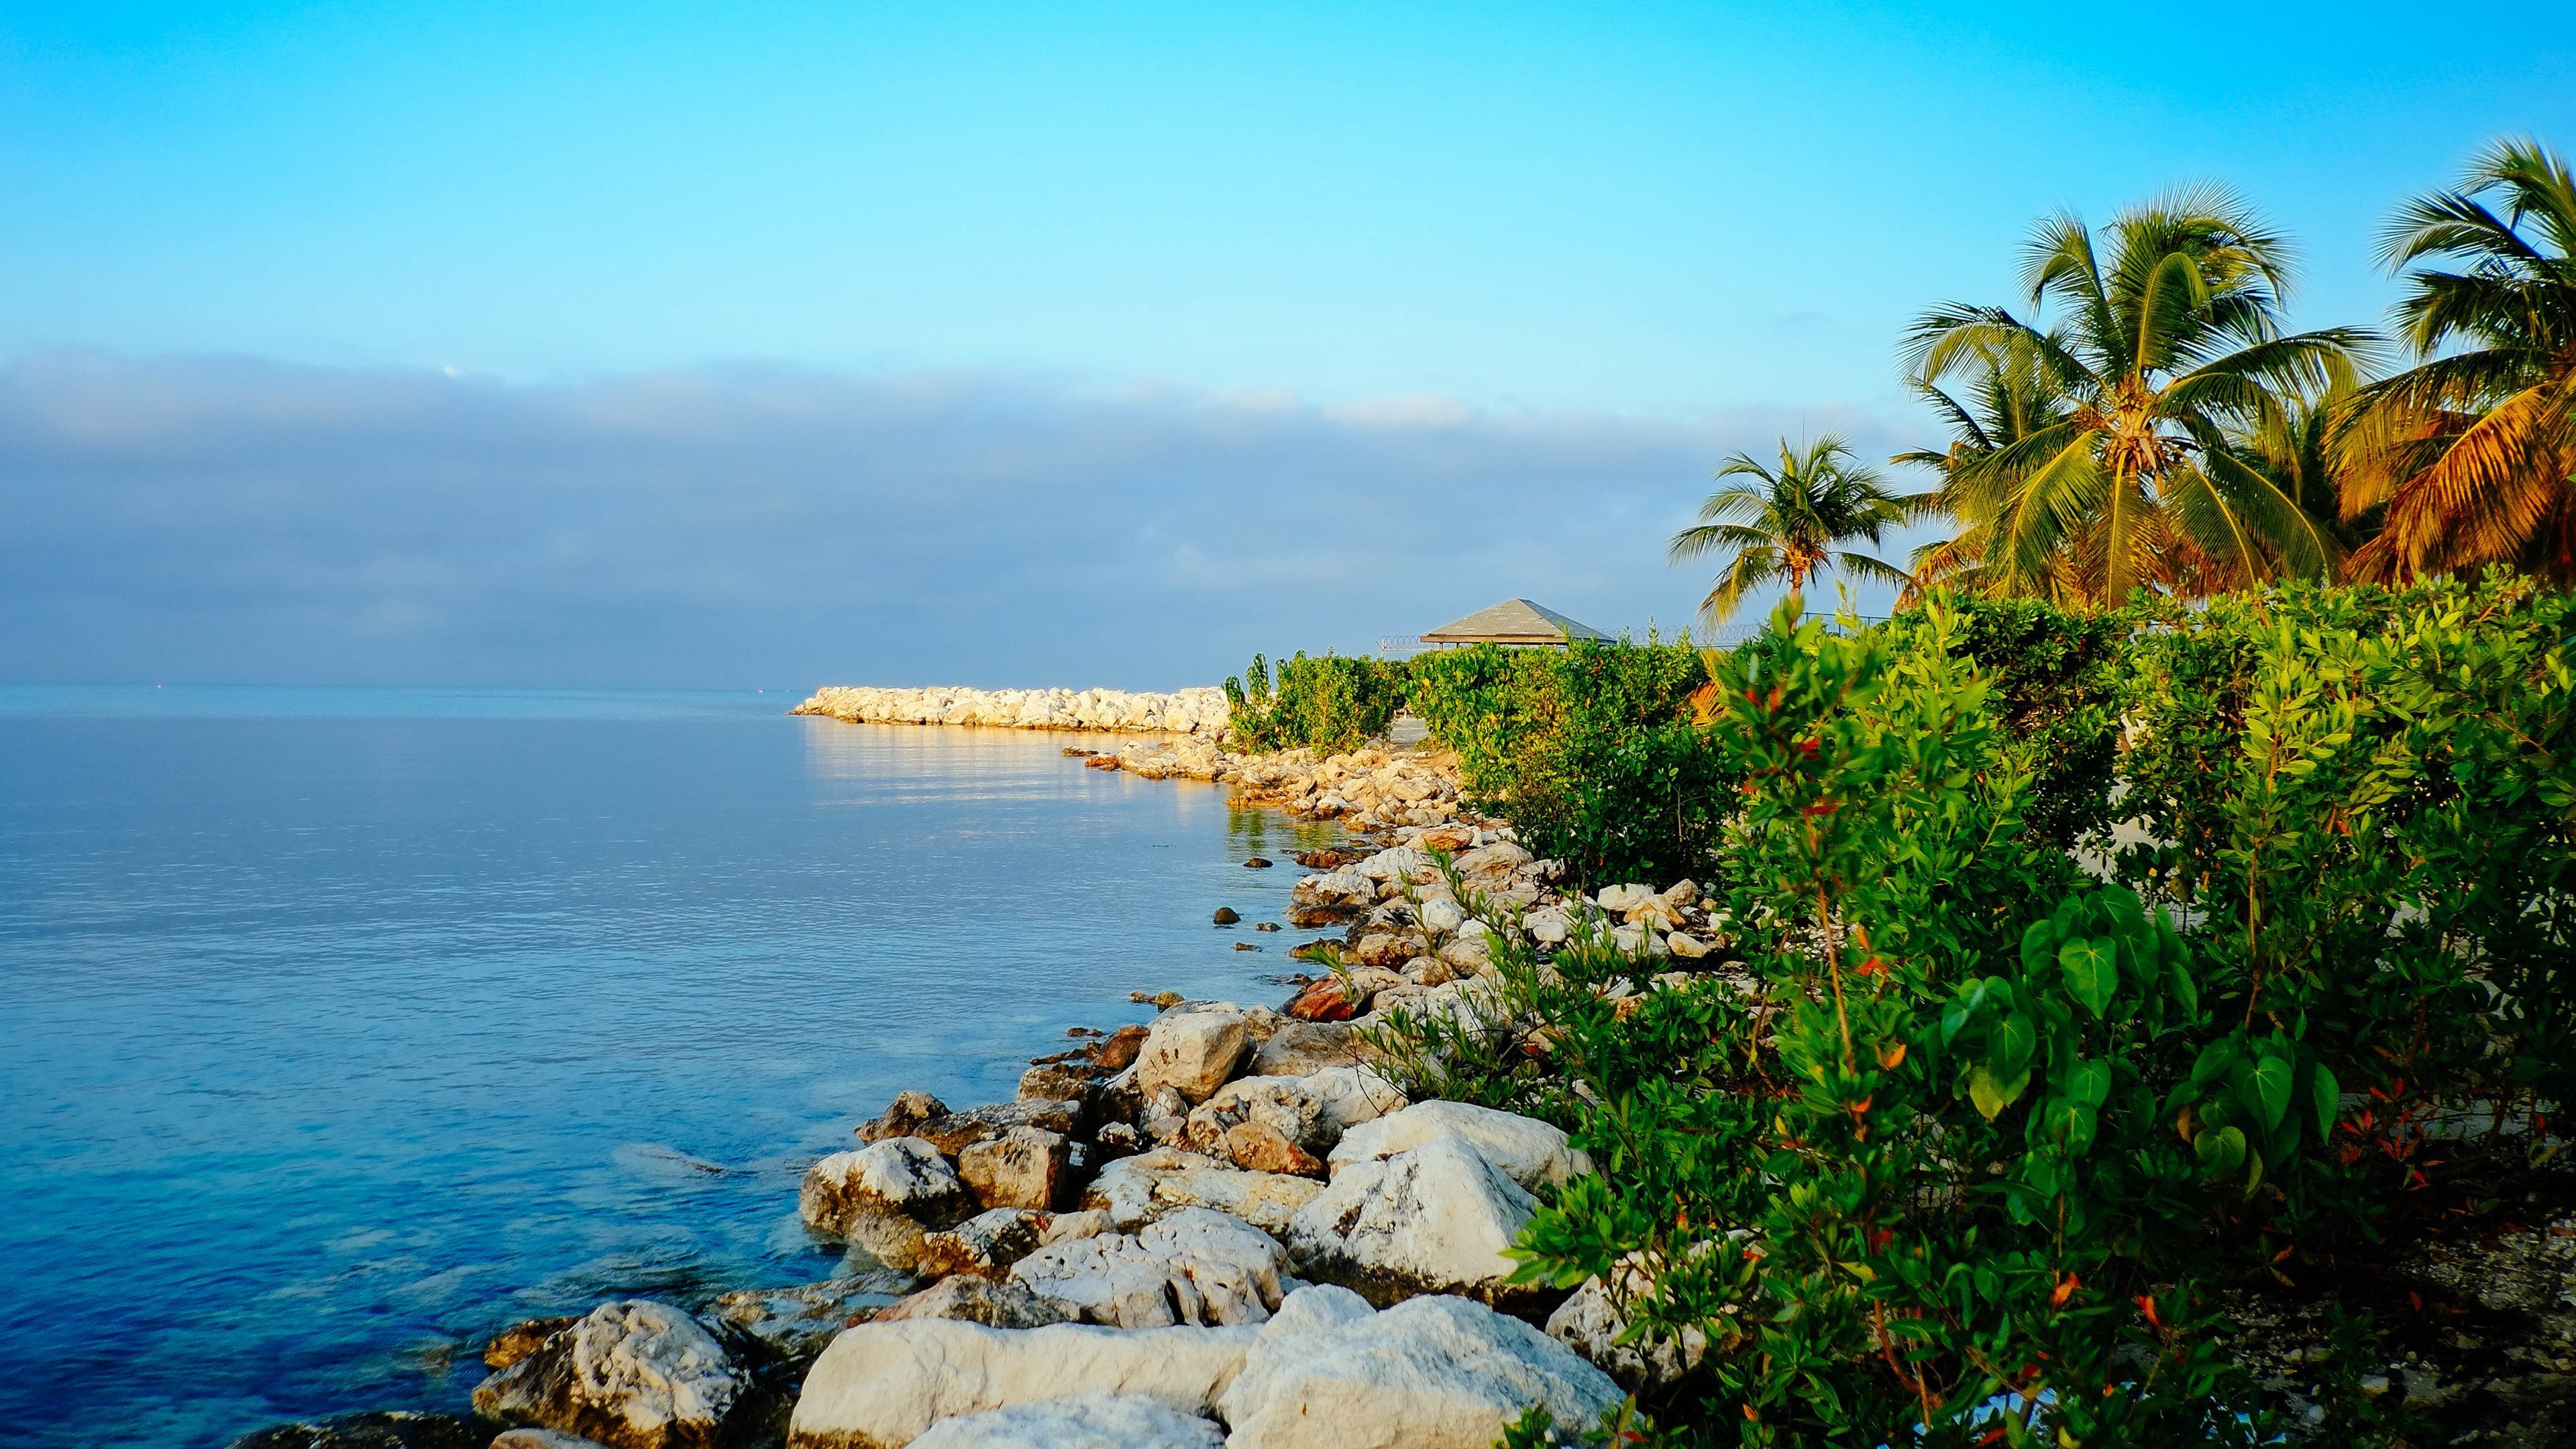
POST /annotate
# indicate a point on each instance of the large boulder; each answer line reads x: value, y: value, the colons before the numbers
x: 880, y: 1385
x: 797, y: 1322
x: 1088, y: 1421
x: 1023, y: 1168
x: 1196, y: 1266
x: 898, y: 1175
x: 1431, y: 1373
x: 1434, y: 1219
x: 631, y: 1375
x: 1136, y: 1190
x: 1529, y: 1151
x: 1192, y: 1052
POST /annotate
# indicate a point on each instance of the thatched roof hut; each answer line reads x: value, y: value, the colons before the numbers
x: 1514, y: 621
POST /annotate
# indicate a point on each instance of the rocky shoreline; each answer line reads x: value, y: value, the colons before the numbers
x: 1223, y: 1227
x: 1231, y: 1226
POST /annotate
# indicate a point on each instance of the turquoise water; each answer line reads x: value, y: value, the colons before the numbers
x: 339, y: 1027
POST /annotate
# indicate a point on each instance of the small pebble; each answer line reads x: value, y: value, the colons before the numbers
x: 1256, y: 863
x: 1267, y: 926
x: 1245, y: 946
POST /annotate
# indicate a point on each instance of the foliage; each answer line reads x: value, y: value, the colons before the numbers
x: 2120, y: 461
x: 1589, y: 750
x: 1329, y: 704
x: 2057, y: 680
x: 1970, y: 1152
x: 1793, y: 522
x: 2467, y: 459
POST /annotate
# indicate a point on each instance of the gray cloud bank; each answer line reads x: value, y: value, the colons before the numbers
x: 239, y: 520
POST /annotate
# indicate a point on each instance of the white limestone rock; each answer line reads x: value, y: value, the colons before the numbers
x: 1192, y: 1052
x: 881, y: 1385
x: 900, y: 1175
x: 1087, y: 1421
x: 1431, y: 1373
x: 631, y: 1375
x: 1621, y: 899
x: 1592, y: 1320
x: 1432, y: 1219
x: 1350, y: 1096
x: 1136, y: 1190
x: 1195, y: 1266
x: 1529, y: 1151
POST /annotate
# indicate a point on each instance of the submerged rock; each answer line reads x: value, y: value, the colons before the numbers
x: 795, y: 1323
x: 884, y: 1384
x: 372, y: 1431
x: 1431, y: 1373
x: 521, y: 1339
x: 630, y: 1375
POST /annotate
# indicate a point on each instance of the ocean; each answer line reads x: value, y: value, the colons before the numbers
x: 340, y: 1027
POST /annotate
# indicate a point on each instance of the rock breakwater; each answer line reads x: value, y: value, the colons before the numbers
x: 1199, y: 711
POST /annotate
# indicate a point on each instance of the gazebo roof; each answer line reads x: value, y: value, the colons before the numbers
x: 1513, y: 621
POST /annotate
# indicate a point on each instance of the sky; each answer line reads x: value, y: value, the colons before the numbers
x: 726, y: 346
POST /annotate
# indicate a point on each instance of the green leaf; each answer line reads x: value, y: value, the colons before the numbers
x: 2092, y: 970
x: 2089, y: 1083
x: 2271, y: 1082
x: 2220, y: 1149
x: 1991, y: 1094
x: 2036, y: 944
x: 2009, y: 1043
x: 2328, y: 1096
x: 2072, y: 1123
x: 2185, y: 994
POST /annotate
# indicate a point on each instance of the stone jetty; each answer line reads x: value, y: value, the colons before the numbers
x: 1199, y: 711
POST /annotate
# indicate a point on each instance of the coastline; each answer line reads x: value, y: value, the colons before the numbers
x: 1152, y: 1178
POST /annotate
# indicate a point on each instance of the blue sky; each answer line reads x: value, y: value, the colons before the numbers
x: 1665, y: 231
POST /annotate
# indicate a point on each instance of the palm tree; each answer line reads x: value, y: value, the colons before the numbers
x: 2468, y: 456
x: 1790, y: 522
x: 2006, y: 400
x: 2167, y: 350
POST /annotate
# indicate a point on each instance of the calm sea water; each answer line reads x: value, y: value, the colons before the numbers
x: 339, y: 1027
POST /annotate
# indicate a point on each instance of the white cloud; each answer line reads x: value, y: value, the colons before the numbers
x: 239, y: 519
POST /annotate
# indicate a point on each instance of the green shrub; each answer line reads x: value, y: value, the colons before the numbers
x: 1588, y: 751
x: 1973, y: 1157
x: 1330, y: 704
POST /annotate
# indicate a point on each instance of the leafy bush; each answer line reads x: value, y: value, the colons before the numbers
x: 1975, y: 1153
x: 1589, y: 751
x: 1331, y: 703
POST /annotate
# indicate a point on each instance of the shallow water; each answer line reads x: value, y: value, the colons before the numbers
x: 339, y: 1027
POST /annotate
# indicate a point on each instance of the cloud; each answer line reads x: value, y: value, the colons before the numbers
x: 235, y: 519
